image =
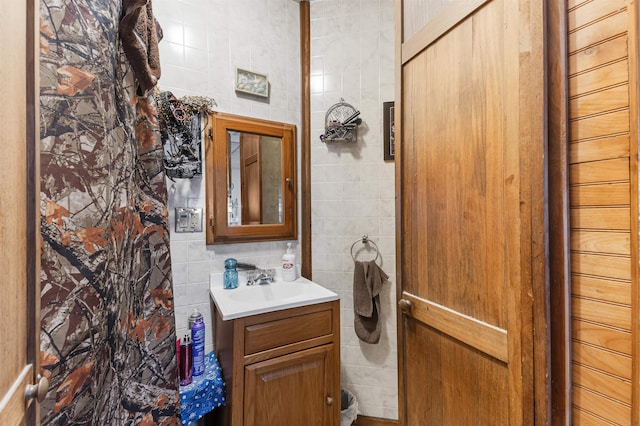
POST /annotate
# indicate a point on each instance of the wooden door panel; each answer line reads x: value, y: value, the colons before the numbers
x: 455, y: 188
x: 476, y: 386
x: 13, y: 198
x: 466, y: 205
x: 19, y: 261
x: 465, y: 386
x: 291, y: 390
x: 13, y: 410
x: 423, y: 349
x: 452, y: 226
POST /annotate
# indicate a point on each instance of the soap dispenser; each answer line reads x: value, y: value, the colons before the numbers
x: 289, y: 271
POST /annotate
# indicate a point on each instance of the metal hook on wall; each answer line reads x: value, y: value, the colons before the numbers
x: 366, y: 241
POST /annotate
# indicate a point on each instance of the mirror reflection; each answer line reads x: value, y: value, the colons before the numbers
x: 251, y: 180
x: 255, y: 183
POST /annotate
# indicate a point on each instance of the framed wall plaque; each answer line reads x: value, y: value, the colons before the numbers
x: 252, y: 83
x: 389, y: 131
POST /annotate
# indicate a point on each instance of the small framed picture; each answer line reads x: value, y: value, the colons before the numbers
x: 389, y: 131
x: 252, y: 83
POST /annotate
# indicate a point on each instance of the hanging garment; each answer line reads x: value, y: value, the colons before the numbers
x: 140, y: 34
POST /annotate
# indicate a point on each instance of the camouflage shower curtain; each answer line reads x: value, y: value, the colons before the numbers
x: 107, y: 328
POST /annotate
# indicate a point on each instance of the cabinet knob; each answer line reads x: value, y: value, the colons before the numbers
x: 38, y: 391
x: 404, y: 305
x: 329, y: 400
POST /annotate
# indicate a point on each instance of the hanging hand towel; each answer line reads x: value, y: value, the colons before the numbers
x: 368, y: 279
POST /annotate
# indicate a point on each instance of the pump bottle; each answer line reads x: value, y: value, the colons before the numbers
x: 289, y: 271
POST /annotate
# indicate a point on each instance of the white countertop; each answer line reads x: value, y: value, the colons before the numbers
x: 258, y: 299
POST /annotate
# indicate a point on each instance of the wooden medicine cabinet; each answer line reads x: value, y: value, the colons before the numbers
x: 250, y: 180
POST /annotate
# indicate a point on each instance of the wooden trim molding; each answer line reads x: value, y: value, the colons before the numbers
x: 634, y: 96
x: 480, y: 335
x: 558, y: 213
x: 305, y: 139
x: 399, y: 158
x: 373, y: 421
x: 33, y: 196
x: 539, y: 240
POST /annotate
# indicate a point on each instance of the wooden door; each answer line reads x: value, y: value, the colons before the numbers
x: 19, y: 262
x: 251, y: 179
x: 291, y: 390
x: 471, y: 239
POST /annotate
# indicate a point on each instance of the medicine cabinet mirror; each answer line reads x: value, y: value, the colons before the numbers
x: 250, y: 180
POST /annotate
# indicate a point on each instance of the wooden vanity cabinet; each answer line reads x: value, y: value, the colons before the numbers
x: 281, y: 368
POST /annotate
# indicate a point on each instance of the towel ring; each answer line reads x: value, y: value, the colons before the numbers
x: 364, y: 240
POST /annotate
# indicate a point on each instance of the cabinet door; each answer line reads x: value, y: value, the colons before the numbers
x: 292, y: 390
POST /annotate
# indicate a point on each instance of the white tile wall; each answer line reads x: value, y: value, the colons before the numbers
x: 204, y: 41
x: 353, y: 189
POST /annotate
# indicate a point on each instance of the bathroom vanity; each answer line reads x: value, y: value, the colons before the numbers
x: 279, y: 348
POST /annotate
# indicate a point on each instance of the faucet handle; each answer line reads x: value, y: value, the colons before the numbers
x: 252, y: 276
x: 261, y: 276
x: 270, y: 274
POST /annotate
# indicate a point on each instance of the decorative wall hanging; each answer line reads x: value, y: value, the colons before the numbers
x: 181, y: 132
x: 389, y: 131
x: 341, y: 123
x: 252, y: 83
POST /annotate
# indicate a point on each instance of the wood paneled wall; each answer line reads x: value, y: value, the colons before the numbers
x: 603, y: 210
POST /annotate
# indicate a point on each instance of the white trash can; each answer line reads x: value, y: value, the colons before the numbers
x: 348, y: 408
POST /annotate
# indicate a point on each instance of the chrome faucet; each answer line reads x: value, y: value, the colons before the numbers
x: 261, y: 276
